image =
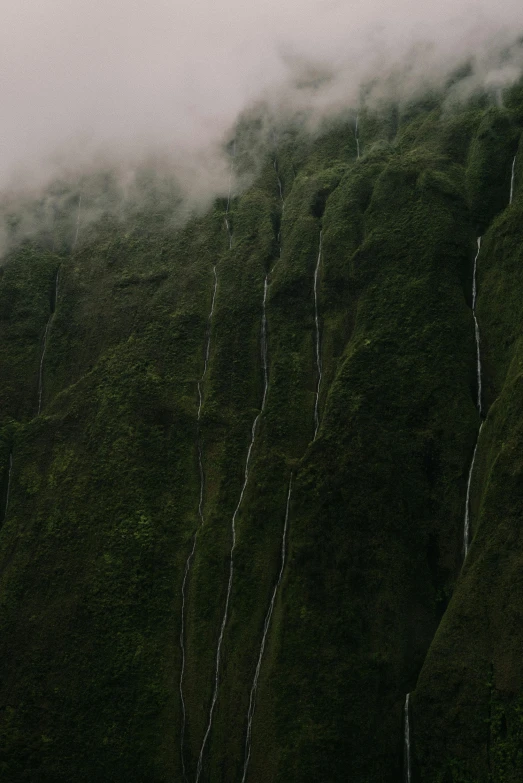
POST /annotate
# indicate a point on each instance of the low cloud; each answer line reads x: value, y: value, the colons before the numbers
x: 87, y: 83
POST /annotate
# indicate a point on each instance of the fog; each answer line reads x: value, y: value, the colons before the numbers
x: 99, y: 80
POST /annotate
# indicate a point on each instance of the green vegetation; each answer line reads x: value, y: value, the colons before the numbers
x: 105, y: 484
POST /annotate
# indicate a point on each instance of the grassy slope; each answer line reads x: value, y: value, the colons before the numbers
x: 105, y: 483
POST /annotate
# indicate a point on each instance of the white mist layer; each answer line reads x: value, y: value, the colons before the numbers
x: 129, y: 79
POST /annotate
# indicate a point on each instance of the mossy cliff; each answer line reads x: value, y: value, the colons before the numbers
x: 99, y: 492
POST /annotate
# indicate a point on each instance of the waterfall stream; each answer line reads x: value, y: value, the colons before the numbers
x: 51, y: 315
x: 476, y: 326
x: 280, y: 188
x: 512, y: 177
x: 406, y: 742
x: 466, y: 525
x: 55, y: 299
x: 268, y: 616
x: 228, y: 227
x: 190, y: 557
x: 263, y: 346
x: 357, y: 136
x: 318, y: 355
x: 279, y: 180
x: 41, y: 368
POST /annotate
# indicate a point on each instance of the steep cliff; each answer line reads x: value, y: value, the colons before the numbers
x: 337, y: 285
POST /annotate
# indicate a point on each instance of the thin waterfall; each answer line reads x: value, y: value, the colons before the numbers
x: 9, y: 471
x: 229, y: 195
x: 357, y: 135
x: 190, y: 557
x: 280, y: 187
x: 406, y: 741
x: 55, y: 298
x: 41, y: 369
x: 318, y: 355
x: 263, y: 347
x: 44, y: 345
x: 254, y: 688
x: 279, y: 180
x: 512, y: 177
x: 466, y: 525
x: 476, y: 326
x: 51, y: 315
x: 263, y: 344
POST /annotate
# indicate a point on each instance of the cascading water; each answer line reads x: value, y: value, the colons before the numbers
x: 51, y: 315
x: 190, y: 557
x: 279, y: 180
x: 254, y: 688
x: 8, y: 491
x: 476, y: 326
x: 229, y: 194
x: 263, y: 345
x: 318, y: 355
x: 512, y: 178
x: 280, y: 187
x: 357, y: 136
x: 466, y: 526
x: 56, y: 281
x: 41, y: 369
x: 406, y: 741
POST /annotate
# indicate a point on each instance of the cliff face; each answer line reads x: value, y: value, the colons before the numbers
x: 142, y: 525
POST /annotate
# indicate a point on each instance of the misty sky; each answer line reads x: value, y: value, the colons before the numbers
x: 131, y: 75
